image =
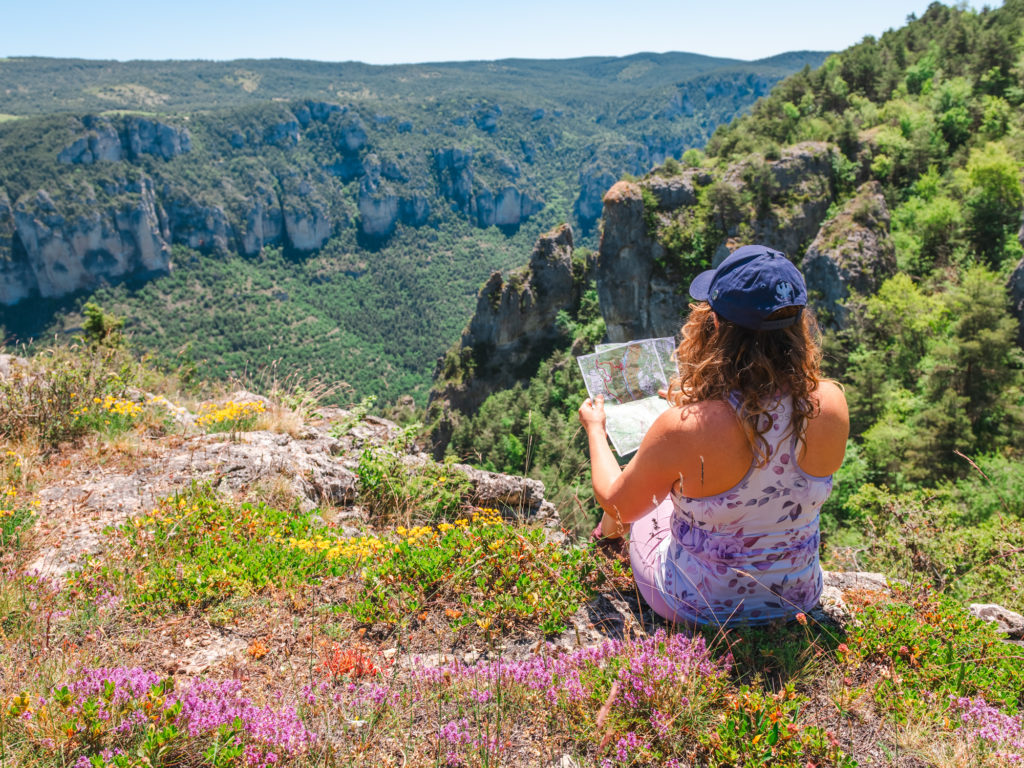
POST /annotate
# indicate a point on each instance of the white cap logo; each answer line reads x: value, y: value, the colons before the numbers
x: 784, y: 292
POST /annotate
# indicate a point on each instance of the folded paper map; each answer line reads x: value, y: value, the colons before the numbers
x: 629, y: 376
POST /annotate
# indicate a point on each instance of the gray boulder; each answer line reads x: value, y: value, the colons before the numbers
x: 1010, y: 622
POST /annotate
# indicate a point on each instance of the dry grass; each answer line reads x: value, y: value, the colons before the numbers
x: 281, y: 419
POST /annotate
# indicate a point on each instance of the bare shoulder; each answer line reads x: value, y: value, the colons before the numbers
x: 707, y: 416
x: 827, y: 431
x: 831, y: 401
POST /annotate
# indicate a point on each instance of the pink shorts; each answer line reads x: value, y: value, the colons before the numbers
x: 645, y: 555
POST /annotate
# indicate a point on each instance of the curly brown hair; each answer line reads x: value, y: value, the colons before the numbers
x: 716, y: 360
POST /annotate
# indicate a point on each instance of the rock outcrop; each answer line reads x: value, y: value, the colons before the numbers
x: 1010, y: 622
x: 307, y: 227
x: 796, y: 197
x: 852, y: 253
x: 642, y: 287
x: 16, y: 279
x: 590, y: 201
x: 264, y: 220
x: 381, y: 207
x: 150, y: 137
x: 312, y: 467
x: 509, y: 207
x: 103, y: 141
x: 200, y: 226
x: 515, y: 324
x: 53, y: 254
x: 634, y: 301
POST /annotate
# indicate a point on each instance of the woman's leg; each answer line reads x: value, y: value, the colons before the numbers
x: 645, y: 539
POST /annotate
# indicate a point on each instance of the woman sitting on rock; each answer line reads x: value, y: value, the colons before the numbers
x: 724, y: 492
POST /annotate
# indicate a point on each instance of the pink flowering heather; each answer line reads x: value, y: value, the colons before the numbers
x: 457, y: 735
x: 662, y: 658
x: 627, y: 746
x: 646, y: 663
x: 205, y: 706
x: 984, y: 724
x: 118, y: 694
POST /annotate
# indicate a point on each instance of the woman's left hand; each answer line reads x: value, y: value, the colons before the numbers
x: 592, y: 414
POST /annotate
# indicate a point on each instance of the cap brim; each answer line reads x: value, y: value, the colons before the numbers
x: 700, y: 288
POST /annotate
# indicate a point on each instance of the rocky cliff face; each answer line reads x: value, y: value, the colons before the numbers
x: 513, y: 329
x: 396, y: 153
x: 642, y: 283
x: 507, y: 207
x: 53, y: 254
x: 852, y: 253
x: 263, y: 219
x: 101, y: 141
x: 57, y: 239
x: 382, y: 205
x: 633, y: 299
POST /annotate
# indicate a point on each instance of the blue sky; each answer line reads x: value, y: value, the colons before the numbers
x: 395, y: 31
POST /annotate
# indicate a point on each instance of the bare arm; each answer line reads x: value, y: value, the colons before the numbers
x: 626, y: 494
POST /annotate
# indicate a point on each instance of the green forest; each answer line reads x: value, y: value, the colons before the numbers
x: 931, y: 363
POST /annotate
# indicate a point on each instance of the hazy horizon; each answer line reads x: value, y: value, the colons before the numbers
x: 404, y: 32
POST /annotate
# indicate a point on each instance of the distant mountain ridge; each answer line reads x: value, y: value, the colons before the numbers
x: 38, y: 85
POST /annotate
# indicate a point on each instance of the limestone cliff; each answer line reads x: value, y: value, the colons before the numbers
x: 102, y: 141
x: 852, y: 253
x: 53, y: 254
x: 633, y: 298
x: 236, y: 188
x: 659, y: 232
x: 514, y: 326
x: 507, y: 207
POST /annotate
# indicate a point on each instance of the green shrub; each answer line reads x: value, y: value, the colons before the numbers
x: 392, y: 490
x: 63, y: 393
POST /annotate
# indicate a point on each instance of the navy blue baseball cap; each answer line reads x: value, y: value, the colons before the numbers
x: 751, y: 285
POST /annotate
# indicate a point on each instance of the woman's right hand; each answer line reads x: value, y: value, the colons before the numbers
x: 591, y: 414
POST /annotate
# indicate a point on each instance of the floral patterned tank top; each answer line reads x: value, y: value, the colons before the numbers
x: 749, y: 554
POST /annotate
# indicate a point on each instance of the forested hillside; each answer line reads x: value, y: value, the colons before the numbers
x: 337, y: 218
x: 892, y: 174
